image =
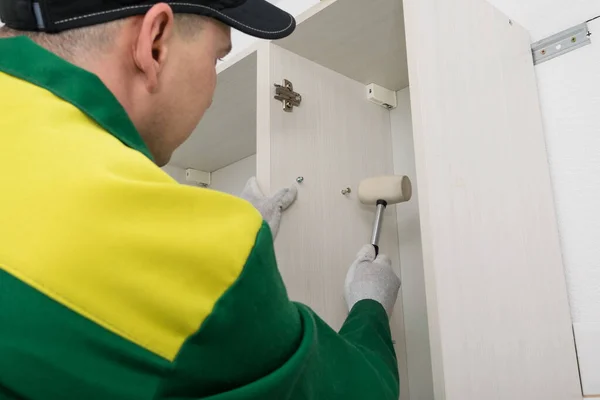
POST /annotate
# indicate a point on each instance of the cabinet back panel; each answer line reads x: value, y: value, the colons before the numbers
x: 333, y: 140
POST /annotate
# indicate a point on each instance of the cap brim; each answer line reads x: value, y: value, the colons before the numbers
x: 258, y: 18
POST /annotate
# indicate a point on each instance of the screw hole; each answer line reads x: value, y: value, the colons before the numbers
x: 543, y: 52
x: 573, y: 39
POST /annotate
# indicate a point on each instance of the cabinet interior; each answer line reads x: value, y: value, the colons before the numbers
x: 364, y: 41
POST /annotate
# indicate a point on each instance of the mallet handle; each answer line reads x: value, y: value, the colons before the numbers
x: 381, y: 205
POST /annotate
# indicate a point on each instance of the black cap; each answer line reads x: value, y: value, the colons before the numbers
x: 258, y: 18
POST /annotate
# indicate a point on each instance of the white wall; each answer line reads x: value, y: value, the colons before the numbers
x: 543, y: 18
x: 233, y: 178
x: 570, y: 95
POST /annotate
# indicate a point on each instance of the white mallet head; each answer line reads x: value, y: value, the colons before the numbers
x: 391, y: 189
x: 383, y: 191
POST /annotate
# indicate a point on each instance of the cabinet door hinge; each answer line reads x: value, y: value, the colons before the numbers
x: 285, y: 93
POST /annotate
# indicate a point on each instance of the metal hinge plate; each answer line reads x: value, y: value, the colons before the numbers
x: 561, y: 43
x: 285, y: 93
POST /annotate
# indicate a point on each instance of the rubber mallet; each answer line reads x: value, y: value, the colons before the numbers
x: 381, y: 192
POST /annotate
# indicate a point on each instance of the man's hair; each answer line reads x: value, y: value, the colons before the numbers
x: 96, y: 38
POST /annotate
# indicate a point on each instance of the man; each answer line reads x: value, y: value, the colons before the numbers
x: 116, y: 282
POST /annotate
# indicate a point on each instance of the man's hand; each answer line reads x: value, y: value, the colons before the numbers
x: 372, y: 277
x: 271, y: 208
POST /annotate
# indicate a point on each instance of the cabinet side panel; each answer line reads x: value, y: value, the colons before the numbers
x: 418, y: 352
x: 333, y: 140
x: 264, y: 90
x: 499, y: 319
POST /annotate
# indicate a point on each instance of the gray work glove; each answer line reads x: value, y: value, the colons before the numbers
x: 372, y: 277
x: 271, y: 208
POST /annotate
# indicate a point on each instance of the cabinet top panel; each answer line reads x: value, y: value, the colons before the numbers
x: 363, y: 40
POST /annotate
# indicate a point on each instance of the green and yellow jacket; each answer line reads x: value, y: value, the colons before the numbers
x: 117, y: 283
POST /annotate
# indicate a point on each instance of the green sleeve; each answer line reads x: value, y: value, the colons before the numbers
x: 258, y: 345
x: 368, y: 328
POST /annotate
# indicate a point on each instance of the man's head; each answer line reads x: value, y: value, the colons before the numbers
x: 159, y: 64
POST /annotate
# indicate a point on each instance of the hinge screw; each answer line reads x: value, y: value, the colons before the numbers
x: 543, y: 52
x: 573, y: 39
x: 346, y: 191
x: 300, y: 179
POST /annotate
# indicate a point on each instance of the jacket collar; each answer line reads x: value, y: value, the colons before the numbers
x: 23, y: 59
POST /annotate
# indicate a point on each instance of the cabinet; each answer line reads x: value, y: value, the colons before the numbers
x: 483, y: 311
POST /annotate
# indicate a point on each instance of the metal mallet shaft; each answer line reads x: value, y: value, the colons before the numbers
x: 381, y: 205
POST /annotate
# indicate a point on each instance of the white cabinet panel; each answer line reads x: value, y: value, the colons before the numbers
x: 498, y: 310
x: 418, y: 354
x: 333, y: 140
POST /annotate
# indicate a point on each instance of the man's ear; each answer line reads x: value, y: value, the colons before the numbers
x: 152, y: 45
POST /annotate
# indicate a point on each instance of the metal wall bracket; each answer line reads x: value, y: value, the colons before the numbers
x: 285, y: 93
x: 561, y: 43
